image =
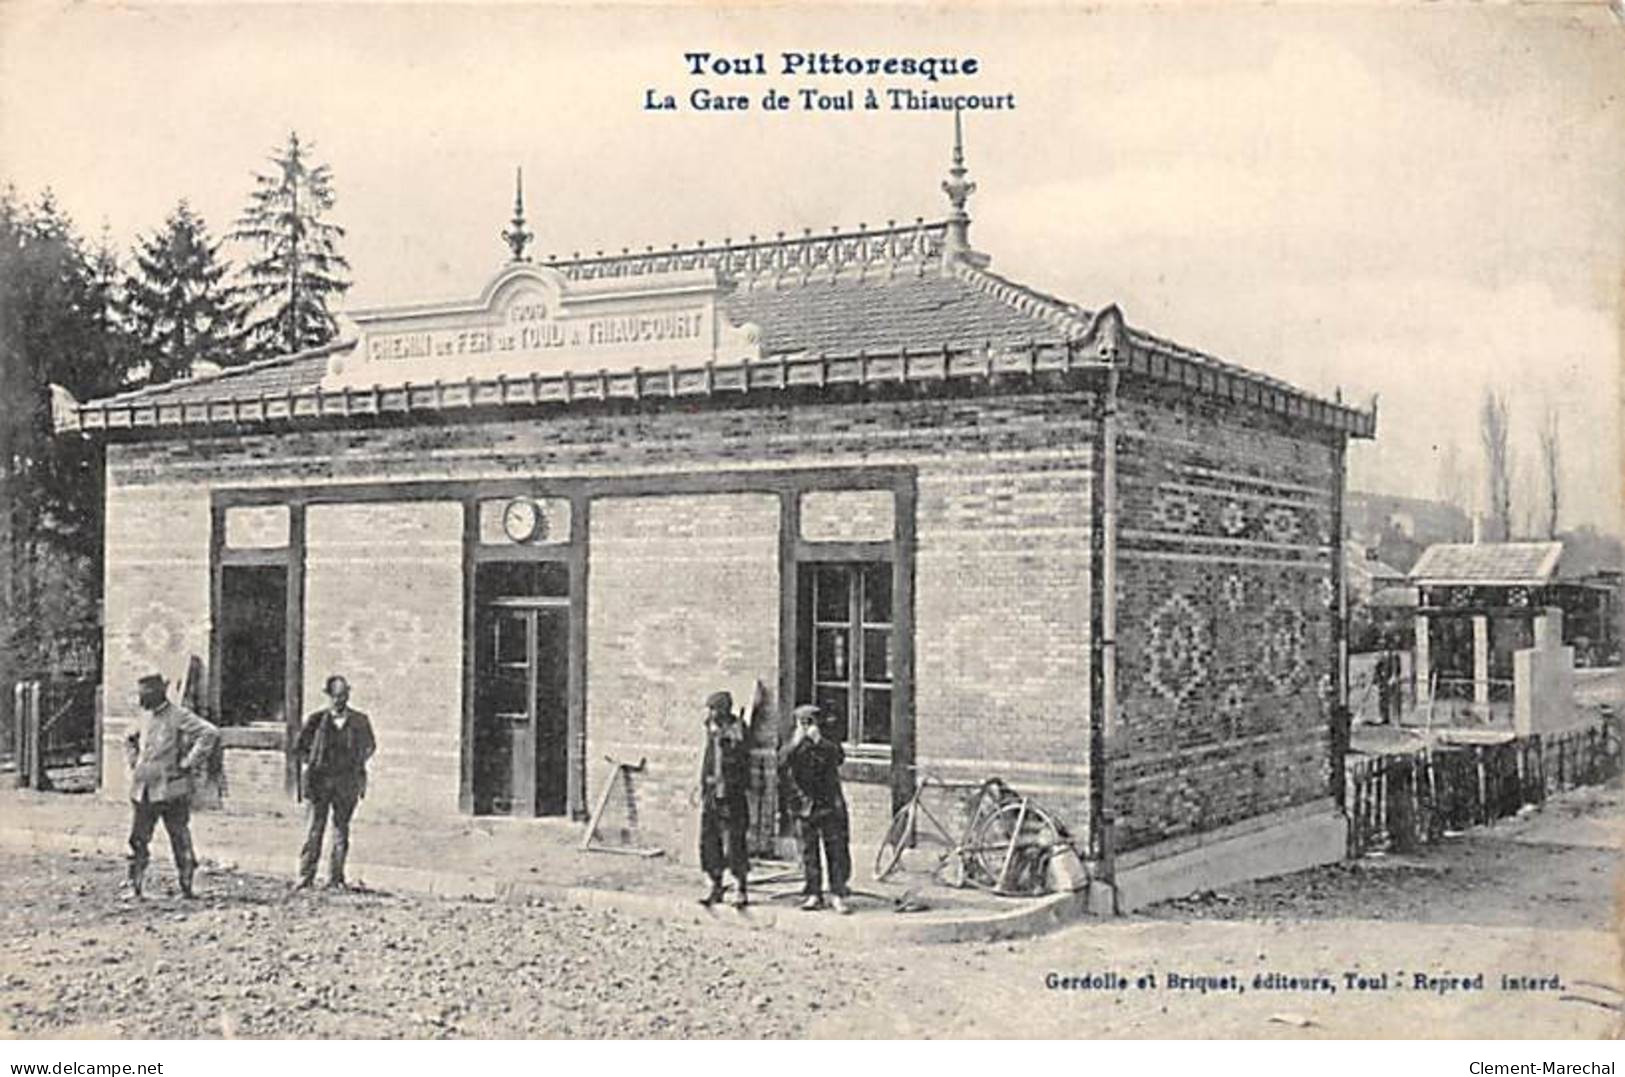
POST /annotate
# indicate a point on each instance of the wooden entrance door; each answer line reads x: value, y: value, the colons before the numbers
x: 521, y: 710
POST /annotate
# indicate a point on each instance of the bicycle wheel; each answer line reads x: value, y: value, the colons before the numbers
x: 890, y: 853
x: 1013, y: 848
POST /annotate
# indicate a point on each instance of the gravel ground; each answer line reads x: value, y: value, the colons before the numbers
x: 248, y: 960
x: 1530, y: 897
x: 1474, y: 879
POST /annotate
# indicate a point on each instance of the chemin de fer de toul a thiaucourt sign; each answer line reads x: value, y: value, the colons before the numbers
x: 533, y: 320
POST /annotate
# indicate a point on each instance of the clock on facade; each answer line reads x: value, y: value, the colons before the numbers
x: 522, y: 520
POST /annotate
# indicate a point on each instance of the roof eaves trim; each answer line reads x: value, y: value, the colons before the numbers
x: 1166, y: 361
x: 713, y: 379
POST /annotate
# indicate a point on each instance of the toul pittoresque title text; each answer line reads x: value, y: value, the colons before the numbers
x: 826, y: 82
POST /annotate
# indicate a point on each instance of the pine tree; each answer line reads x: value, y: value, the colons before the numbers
x: 54, y: 329
x: 109, y: 315
x: 180, y: 307
x: 296, y: 269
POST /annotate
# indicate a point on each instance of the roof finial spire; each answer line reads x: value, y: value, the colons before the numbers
x: 515, y: 235
x: 958, y: 189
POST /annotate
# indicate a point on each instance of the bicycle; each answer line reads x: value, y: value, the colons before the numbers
x: 963, y: 853
x: 1013, y: 847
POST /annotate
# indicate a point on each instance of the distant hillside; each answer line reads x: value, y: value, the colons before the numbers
x: 1400, y: 528
x: 1588, y: 550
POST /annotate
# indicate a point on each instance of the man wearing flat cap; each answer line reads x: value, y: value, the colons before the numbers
x: 164, y: 752
x: 724, y: 807
x: 812, y: 765
x: 333, y: 748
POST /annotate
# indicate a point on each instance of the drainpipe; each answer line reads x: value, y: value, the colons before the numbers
x: 1342, y: 717
x: 1107, y: 727
x: 1106, y: 335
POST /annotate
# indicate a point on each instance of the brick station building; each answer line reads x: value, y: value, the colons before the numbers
x: 994, y: 532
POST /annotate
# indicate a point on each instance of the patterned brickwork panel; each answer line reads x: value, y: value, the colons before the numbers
x: 1002, y: 625
x: 156, y: 604
x: 1225, y: 619
x: 683, y: 600
x: 384, y: 607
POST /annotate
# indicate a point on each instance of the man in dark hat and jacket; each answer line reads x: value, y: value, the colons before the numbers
x: 334, y: 746
x: 812, y: 763
x: 724, y: 807
x: 164, y: 752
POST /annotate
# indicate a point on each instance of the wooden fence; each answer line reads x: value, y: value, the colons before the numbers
x: 54, y: 725
x: 1401, y: 802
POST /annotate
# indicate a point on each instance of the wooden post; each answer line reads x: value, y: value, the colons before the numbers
x: 101, y: 724
x: 36, y: 750
x: 1483, y: 806
x: 1402, y: 808
x: 19, y: 731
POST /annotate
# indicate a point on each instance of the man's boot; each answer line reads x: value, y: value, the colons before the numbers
x: 137, y: 872
x: 186, y: 880
x: 715, y: 893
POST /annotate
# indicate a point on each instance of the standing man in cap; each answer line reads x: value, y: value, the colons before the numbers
x: 812, y: 761
x: 333, y: 748
x: 724, y: 808
x: 164, y: 751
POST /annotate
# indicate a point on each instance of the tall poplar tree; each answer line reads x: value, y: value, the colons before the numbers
x: 180, y: 307
x: 295, y: 269
x: 1493, y: 434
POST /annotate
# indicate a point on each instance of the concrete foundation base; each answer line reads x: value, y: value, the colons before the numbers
x: 1275, y: 844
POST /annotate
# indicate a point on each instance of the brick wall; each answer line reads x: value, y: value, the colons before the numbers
x: 683, y: 600
x: 1001, y: 586
x: 1002, y: 564
x: 848, y: 516
x: 1225, y: 616
x: 156, y: 604
x: 1002, y: 624
x: 256, y: 769
x: 691, y: 441
x: 384, y: 607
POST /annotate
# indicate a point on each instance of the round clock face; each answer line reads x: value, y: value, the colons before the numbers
x: 522, y: 520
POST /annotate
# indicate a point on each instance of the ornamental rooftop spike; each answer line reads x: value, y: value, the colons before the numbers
x: 515, y: 235
x: 958, y: 189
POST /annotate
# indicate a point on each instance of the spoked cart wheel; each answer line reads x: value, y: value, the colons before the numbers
x: 1014, y: 846
x: 897, y: 839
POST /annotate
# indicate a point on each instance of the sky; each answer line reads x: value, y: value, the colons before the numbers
x: 1420, y: 203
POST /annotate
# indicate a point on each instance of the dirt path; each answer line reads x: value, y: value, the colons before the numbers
x: 248, y: 961
x: 1537, y: 897
x: 1531, y: 898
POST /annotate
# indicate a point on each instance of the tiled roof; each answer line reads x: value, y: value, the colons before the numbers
x: 267, y: 377
x: 840, y: 296
x: 924, y: 311
x: 1488, y: 562
x: 829, y: 314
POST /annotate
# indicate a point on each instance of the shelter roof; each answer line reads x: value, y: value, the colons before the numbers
x: 1488, y: 563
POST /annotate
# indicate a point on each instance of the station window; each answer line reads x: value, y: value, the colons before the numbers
x: 847, y: 646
